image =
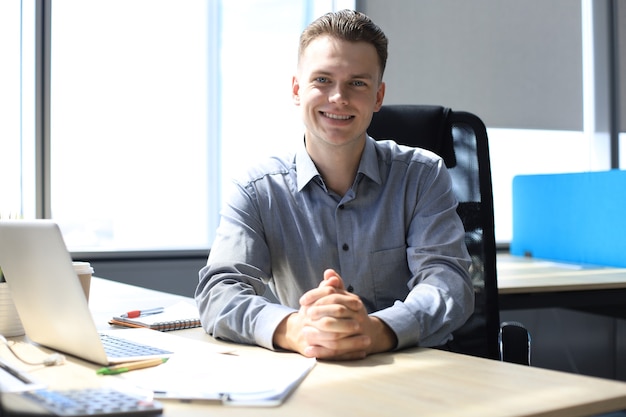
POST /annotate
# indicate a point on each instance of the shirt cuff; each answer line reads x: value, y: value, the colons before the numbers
x: 406, y: 330
x: 266, y: 323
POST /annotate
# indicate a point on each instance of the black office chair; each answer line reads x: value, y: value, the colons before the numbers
x: 460, y: 138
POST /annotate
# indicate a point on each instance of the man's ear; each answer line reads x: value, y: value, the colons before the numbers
x: 295, y: 90
x: 380, y: 95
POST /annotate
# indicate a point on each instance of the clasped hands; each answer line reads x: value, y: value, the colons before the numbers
x: 333, y: 323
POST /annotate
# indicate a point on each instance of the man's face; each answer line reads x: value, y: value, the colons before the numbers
x: 338, y: 88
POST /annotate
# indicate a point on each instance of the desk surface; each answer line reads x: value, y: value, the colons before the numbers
x: 518, y: 275
x: 416, y: 381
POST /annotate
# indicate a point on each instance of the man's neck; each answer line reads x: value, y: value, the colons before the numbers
x: 337, y: 165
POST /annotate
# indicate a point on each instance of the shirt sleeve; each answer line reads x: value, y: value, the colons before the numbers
x: 441, y: 296
x: 230, y: 293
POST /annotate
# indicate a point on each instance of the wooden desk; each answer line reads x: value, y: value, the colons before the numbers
x: 413, y: 382
x: 532, y: 283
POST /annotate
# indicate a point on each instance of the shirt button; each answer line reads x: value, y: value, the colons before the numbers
x: 341, y: 207
x: 345, y: 247
x: 350, y: 288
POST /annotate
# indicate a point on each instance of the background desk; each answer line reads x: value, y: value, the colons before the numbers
x: 416, y: 381
x: 525, y: 283
x: 574, y: 313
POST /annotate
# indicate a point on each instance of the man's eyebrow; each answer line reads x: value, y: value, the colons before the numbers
x: 320, y: 73
x: 366, y: 76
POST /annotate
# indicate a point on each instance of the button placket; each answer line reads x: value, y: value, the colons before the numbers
x: 344, y: 242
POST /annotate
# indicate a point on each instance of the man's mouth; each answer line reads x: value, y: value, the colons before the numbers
x: 337, y: 116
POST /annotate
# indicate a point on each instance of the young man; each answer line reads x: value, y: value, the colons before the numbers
x: 358, y: 240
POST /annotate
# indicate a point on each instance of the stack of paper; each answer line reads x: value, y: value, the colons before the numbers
x: 228, y: 378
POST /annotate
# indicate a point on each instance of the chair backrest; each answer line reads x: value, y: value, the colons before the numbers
x: 460, y: 138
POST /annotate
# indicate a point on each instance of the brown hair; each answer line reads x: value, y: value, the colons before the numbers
x: 347, y: 25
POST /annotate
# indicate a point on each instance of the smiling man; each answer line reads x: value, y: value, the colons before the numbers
x: 358, y: 240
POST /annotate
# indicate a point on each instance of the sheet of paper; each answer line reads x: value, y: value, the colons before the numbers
x: 229, y: 378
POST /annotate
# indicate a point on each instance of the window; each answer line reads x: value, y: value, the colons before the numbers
x: 17, y: 105
x: 258, y: 115
x: 10, y: 26
x: 129, y: 131
x: 156, y: 104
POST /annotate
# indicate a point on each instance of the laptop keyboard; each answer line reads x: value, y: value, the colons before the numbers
x: 117, y: 347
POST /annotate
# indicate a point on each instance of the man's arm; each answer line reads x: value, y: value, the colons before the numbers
x: 441, y: 294
x: 230, y: 292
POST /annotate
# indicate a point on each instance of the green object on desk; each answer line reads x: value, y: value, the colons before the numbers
x: 131, y: 366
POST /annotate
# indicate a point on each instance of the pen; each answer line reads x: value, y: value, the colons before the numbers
x: 138, y: 313
x: 131, y: 366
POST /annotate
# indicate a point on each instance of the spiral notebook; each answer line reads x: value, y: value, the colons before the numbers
x: 181, y: 315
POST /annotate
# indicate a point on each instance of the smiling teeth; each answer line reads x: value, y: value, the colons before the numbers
x: 337, y: 116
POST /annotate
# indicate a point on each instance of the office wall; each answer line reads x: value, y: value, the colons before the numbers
x: 516, y: 64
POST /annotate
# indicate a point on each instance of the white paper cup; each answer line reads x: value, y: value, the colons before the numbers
x: 84, y: 272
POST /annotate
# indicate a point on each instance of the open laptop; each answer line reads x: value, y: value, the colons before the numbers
x: 49, y: 298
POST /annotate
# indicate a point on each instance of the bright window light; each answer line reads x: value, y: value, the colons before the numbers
x: 129, y: 131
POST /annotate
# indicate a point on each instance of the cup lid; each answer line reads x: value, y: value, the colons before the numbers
x: 82, y: 267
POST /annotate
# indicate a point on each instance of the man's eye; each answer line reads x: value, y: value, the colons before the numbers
x: 321, y: 79
x: 358, y: 83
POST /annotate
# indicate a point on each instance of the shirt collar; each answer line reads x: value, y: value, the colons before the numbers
x: 305, y: 168
x: 369, y: 161
x: 307, y: 171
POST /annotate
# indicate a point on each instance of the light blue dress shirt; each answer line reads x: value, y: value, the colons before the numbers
x: 394, y: 238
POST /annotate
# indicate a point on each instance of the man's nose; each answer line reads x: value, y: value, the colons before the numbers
x: 339, y: 94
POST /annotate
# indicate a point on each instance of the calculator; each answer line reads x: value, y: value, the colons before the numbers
x: 88, y: 402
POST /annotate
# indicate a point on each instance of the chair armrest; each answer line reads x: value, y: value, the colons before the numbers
x: 514, y: 343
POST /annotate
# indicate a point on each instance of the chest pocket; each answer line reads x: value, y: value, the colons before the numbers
x: 389, y: 274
